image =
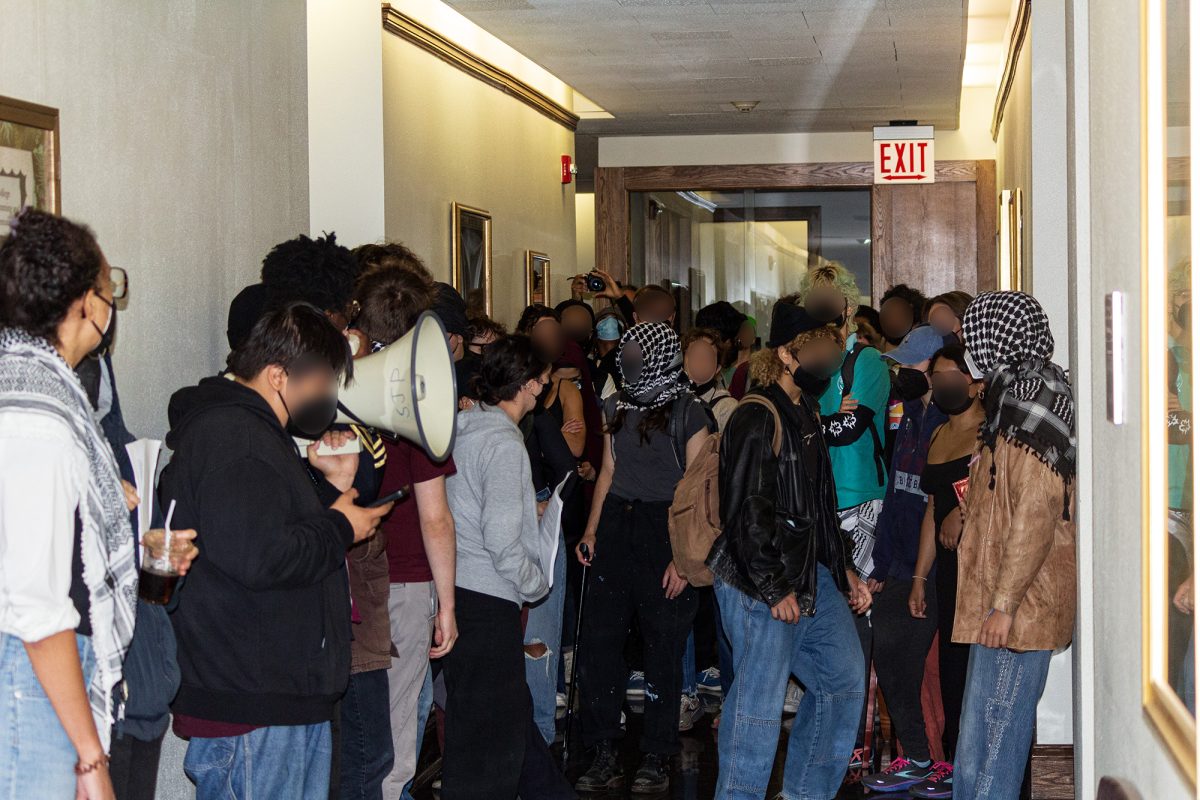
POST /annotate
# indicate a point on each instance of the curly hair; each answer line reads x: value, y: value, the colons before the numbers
x: 532, y: 315
x: 47, y: 262
x: 831, y: 273
x: 914, y: 298
x: 390, y: 298
x: 765, y: 366
x: 389, y: 254
x: 479, y: 326
x: 316, y: 271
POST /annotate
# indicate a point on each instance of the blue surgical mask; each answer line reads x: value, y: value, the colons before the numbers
x: 608, y: 329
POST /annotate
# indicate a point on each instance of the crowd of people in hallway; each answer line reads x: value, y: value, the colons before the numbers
x: 866, y: 495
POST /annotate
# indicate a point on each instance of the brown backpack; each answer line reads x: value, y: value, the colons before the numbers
x: 695, y: 517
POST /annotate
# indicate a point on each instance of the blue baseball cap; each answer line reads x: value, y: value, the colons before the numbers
x: 920, y: 345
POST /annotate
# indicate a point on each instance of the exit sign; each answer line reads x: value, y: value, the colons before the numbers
x: 904, y: 154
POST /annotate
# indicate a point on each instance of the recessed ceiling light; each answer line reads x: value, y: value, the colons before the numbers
x: 745, y: 106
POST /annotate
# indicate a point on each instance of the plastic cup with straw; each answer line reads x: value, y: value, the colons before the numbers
x: 160, y: 563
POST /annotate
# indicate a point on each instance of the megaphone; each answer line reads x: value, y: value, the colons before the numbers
x: 408, y: 388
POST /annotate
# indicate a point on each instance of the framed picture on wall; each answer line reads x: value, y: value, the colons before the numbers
x: 1009, y: 240
x: 471, y: 257
x: 537, y: 278
x: 28, y: 158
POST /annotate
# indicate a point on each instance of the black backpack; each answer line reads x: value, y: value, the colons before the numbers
x: 847, y: 385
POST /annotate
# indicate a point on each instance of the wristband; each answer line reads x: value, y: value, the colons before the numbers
x: 920, y: 578
x: 83, y: 769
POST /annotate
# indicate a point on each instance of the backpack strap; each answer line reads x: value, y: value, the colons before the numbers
x: 847, y: 385
x: 677, y: 426
x: 759, y: 400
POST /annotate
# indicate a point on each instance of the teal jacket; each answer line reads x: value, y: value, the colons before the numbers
x: 857, y: 464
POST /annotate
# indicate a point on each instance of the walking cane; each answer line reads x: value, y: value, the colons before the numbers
x: 570, y: 716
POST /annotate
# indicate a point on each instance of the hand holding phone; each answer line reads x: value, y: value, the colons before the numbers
x: 395, y: 497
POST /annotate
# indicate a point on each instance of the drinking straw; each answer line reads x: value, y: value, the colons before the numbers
x: 167, y: 530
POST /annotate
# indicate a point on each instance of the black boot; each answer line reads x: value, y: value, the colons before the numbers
x: 605, y: 772
x: 652, y: 776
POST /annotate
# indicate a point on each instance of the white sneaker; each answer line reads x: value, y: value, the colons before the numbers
x: 560, y: 700
x: 791, y: 700
x: 568, y: 663
x: 690, y: 710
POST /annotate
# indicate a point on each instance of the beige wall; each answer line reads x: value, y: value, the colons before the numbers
x: 585, y: 231
x: 972, y: 140
x: 184, y: 145
x: 449, y: 137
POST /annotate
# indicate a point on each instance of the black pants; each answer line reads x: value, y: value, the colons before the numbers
x: 952, y: 657
x: 133, y: 766
x: 633, y: 550
x: 866, y: 638
x: 493, y: 749
x: 902, y: 644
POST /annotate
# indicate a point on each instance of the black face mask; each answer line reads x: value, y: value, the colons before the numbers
x: 1183, y: 315
x: 910, y: 384
x: 954, y: 399
x: 108, y: 333
x: 812, y: 383
x: 312, y: 417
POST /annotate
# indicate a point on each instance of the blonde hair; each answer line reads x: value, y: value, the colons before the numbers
x: 765, y: 366
x: 835, y: 274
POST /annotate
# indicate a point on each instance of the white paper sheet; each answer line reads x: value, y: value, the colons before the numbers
x: 144, y: 455
x: 549, y: 531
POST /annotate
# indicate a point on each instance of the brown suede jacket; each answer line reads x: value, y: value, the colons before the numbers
x: 1017, y: 553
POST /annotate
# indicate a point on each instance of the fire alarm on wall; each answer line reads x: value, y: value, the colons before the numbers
x: 568, y: 169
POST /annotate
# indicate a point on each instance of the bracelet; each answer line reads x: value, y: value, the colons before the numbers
x: 84, y: 769
x: 920, y: 578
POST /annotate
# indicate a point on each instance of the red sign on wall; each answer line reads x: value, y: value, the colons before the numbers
x: 904, y: 154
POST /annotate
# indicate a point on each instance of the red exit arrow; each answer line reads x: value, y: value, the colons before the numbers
x: 903, y: 177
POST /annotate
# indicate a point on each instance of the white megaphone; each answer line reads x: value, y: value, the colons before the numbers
x: 408, y: 388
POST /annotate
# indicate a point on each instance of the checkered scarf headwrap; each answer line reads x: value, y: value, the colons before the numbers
x: 1029, y: 400
x: 651, y: 365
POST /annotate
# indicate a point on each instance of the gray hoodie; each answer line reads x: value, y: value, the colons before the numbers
x: 495, y: 508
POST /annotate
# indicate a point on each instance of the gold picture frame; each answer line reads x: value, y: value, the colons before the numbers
x: 537, y: 278
x: 1162, y: 705
x: 471, y: 257
x: 29, y: 159
x: 1009, y: 239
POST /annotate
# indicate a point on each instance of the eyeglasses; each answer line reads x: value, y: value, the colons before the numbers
x: 118, y: 280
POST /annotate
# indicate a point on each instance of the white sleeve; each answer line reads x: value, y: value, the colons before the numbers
x: 40, y: 482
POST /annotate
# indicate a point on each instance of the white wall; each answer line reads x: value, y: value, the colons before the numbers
x: 585, y: 231
x: 972, y: 140
x: 184, y: 145
x: 449, y: 137
x: 345, y: 121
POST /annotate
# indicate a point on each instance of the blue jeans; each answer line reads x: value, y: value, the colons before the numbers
x: 424, y: 707
x: 366, y: 746
x: 689, y: 665
x: 36, y: 757
x: 996, y: 729
x: 824, y: 654
x: 544, y: 626
x: 279, y: 761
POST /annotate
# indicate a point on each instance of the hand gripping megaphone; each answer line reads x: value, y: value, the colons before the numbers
x: 408, y: 388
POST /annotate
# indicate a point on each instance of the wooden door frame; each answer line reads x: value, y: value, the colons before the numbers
x: 614, y: 184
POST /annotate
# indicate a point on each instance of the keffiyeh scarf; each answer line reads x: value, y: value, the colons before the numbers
x: 34, y: 378
x: 651, y: 365
x: 1029, y: 400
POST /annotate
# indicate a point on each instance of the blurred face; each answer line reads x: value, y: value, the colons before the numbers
x: 577, y: 324
x: 896, y: 319
x: 826, y: 303
x: 746, y: 335
x: 822, y: 357
x: 310, y: 399
x: 953, y: 392
x: 532, y: 390
x: 547, y: 337
x: 866, y: 332
x: 700, y: 361
x: 943, y: 320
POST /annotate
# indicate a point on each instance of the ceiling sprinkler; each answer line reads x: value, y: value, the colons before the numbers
x: 745, y: 106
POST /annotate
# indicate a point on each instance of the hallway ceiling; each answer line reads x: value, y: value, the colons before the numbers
x: 676, y: 66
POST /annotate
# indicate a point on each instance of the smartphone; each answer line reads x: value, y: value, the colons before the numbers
x: 394, y: 497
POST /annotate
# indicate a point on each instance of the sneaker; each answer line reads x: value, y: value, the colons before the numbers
x: 709, y: 682
x: 636, y: 690
x: 568, y: 663
x: 652, y: 776
x: 605, y: 772
x: 791, y: 700
x: 690, y: 710
x: 940, y: 783
x: 900, y: 776
x: 560, y: 700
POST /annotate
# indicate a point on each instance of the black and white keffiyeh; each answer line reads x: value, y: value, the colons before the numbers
x: 1029, y: 400
x: 34, y: 378
x: 651, y: 365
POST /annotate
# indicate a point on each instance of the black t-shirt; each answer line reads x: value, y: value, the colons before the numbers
x: 648, y: 471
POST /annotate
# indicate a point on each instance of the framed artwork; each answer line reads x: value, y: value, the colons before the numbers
x: 471, y: 257
x: 28, y: 158
x: 537, y: 278
x: 1010, y: 236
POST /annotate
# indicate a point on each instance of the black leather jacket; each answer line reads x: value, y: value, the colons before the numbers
x: 778, y: 514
